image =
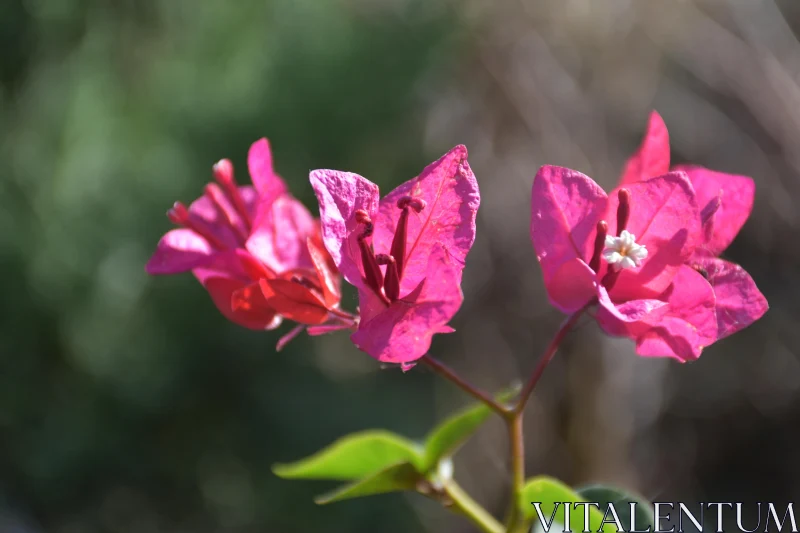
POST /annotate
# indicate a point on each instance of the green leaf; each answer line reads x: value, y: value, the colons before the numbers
x: 399, y: 477
x: 644, y: 515
x: 450, y: 434
x: 354, y: 456
x: 552, y: 495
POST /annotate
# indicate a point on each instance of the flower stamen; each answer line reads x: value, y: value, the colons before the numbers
x: 417, y: 204
x: 391, y: 282
x: 398, y: 250
x: 179, y: 216
x: 373, y: 276
x: 223, y: 173
x: 622, y: 252
x: 599, y: 241
x: 623, y: 210
x: 710, y: 209
x: 215, y: 194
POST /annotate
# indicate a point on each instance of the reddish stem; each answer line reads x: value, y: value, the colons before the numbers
x: 546, y: 358
x: 443, y: 370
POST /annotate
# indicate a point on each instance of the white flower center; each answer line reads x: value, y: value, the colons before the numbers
x: 623, y: 252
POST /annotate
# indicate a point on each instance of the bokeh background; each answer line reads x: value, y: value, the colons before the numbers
x: 129, y: 405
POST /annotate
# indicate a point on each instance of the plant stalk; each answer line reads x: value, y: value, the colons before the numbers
x: 517, y: 438
x: 445, y: 371
x: 513, y: 418
x: 545, y: 359
x: 464, y: 503
x: 516, y: 434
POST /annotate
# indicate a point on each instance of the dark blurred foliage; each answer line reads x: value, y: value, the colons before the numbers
x: 128, y: 404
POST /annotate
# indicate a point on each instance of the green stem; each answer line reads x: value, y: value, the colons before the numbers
x: 514, y: 420
x: 464, y: 504
x: 516, y: 437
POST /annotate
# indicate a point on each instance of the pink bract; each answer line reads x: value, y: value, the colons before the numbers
x: 682, y: 298
x: 404, y: 253
x: 402, y: 332
x: 256, y: 250
x: 222, y: 219
x: 652, y: 157
x: 568, y: 208
x: 725, y: 202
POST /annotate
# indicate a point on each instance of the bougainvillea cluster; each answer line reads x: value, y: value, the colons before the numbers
x: 642, y: 259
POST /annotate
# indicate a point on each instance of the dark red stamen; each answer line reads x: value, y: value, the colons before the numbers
x: 215, y: 194
x: 599, y: 244
x: 623, y: 210
x: 398, y: 250
x: 391, y: 284
x: 623, y: 214
x: 610, y: 279
x: 710, y: 208
x: 417, y: 204
x: 223, y: 173
x: 362, y: 217
x: 179, y: 216
x: 372, y: 272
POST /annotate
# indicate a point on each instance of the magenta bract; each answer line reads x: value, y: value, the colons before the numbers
x: 404, y: 253
x: 568, y: 212
x: 256, y: 249
x: 222, y: 220
x: 725, y: 202
x: 646, y: 253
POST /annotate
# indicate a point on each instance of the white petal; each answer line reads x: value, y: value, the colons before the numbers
x: 638, y: 254
x: 612, y: 256
x: 611, y: 242
x: 626, y: 239
x: 627, y: 262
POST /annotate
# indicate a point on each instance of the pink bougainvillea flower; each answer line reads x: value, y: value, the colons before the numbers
x: 725, y: 202
x: 221, y: 220
x: 256, y: 250
x: 625, y: 251
x: 704, y: 298
x: 404, y: 253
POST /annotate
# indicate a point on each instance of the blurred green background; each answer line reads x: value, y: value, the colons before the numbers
x: 128, y: 404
